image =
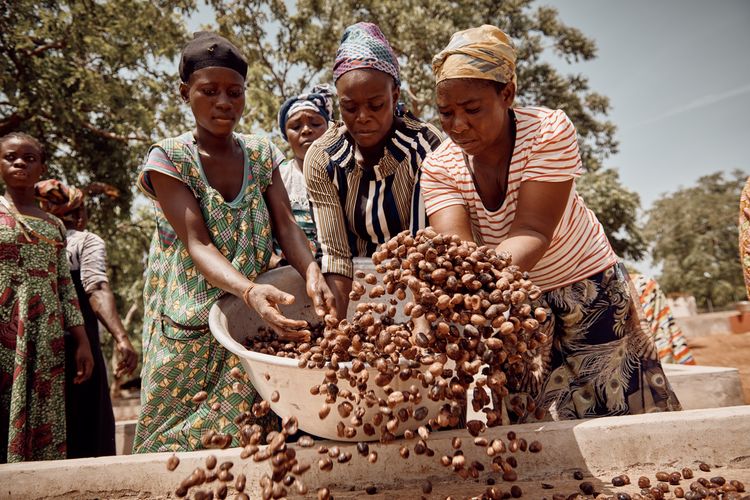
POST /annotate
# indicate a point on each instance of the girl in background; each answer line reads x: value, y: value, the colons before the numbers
x: 37, y: 304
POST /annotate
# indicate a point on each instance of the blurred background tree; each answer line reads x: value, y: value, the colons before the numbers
x: 694, y: 236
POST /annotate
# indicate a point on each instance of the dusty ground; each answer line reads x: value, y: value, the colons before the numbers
x: 731, y: 350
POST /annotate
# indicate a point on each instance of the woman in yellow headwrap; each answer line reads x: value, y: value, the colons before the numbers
x: 506, y: 179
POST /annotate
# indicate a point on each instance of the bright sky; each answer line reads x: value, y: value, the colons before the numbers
x: 677, y: 73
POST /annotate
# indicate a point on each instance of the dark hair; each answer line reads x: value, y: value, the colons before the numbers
x: 26, y: 137
x: 498, y: 86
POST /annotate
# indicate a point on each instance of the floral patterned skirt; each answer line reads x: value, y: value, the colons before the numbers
x: 602, y: 360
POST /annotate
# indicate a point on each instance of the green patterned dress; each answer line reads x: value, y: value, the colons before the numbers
x: 180, y: 356
x: 37, y: 301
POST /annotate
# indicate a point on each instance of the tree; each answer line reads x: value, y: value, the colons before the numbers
x: 616, y: 207
x: 88, y: 79
x: 694, y: 235
x: 290, y: 49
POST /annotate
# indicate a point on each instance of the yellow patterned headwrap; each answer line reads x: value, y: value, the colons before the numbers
x: 484, y: 52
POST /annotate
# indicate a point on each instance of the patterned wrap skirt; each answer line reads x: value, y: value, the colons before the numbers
x: 601, y: 360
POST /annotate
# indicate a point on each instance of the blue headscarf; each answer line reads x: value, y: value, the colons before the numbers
x: 320, y: 100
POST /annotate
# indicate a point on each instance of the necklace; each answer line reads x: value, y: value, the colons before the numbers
x: 26, y: 229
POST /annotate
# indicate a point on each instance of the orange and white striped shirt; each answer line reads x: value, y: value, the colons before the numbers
x: 546, y: 150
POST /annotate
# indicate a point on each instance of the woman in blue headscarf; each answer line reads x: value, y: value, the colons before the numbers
x: 302, y: 119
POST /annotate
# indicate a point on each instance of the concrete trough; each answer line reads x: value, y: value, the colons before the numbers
x: 599, y: 448
x: 697, y: 387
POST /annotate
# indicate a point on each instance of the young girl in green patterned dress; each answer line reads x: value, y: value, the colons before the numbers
x: 37, y: 303
x: 217, y: 195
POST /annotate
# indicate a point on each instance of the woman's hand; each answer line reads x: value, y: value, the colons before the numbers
x: 319, y: 292
x: 128, y: 358
x: 264, y: 299
x: 84, y: 361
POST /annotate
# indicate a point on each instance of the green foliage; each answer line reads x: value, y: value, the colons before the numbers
x: 93, y: 80
x: 127, y: 248
x: 694, y: 235
x: 291, y: 49
x: 87, y: 78
x: 616, y: 207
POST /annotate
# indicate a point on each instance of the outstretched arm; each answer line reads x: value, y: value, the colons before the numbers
x: 540, y: 207
x: 295, y: 245
x: 182, y: 211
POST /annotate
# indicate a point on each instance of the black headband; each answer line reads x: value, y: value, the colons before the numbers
x: 209, y: 49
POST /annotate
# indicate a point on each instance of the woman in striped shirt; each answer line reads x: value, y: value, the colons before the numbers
x: 506, y: 178
x: 362, y: 175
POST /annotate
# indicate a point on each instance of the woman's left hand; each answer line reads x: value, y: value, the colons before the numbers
x: 319, y: 292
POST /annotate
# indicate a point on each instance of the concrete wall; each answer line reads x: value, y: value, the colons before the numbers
x: 717, y: 323
x: 600, y: 447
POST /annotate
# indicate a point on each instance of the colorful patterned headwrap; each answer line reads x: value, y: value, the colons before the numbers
x: 364, y: 46
x: 485, y: 53
x: 319, y: 100
x: 60, y: 200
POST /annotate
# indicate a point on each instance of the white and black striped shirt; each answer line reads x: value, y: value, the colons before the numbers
x: 356, y: 209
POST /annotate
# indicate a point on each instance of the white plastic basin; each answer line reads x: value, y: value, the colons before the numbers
x: 231, y: 321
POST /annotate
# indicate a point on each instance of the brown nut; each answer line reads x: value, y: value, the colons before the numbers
x: 200, y: 396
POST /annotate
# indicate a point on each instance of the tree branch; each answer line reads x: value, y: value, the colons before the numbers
x: 129, y: 316
x: 111, y: 135
x: 47, y: 46
x: 269, y: 66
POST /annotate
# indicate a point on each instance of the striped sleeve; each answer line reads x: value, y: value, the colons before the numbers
x: 157, y: 161
x: 418, y: 210
x: 439, y: 187
x: 93, y: 260
x: 554, y: 155
x: 328, y: 214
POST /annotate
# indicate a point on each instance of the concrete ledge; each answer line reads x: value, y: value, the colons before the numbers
x: 697, y: 387
x: 700, y: 386
x: 602, y: 447
x: 124, y: 436
x: 700, y: 325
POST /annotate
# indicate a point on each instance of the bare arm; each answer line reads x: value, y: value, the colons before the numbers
x: 102, y: 301
x: 182, y: 211
x: 294, y: 244
x: 453, y: 220
x: 540, y: 207
x: 340, y: 285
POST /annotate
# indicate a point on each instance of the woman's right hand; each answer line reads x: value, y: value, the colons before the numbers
x: 264, y: 299
x: 84, y: 361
